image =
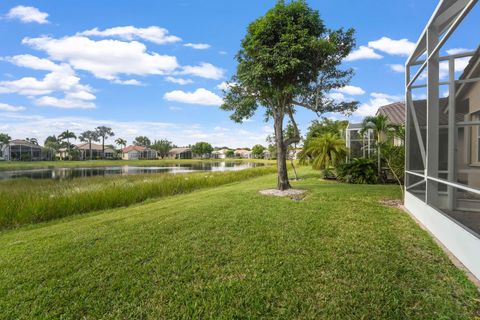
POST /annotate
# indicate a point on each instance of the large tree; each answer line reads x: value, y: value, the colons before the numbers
x: 289, y: 59
x: 89, y: 136
x: 258, y: 151
x: 52, y: 142
x: 142, y: 141
x: 104, y: 133
x: 163, y: 147
x: 202, y: 149
x: 66, y: 136
x: 326, y: 125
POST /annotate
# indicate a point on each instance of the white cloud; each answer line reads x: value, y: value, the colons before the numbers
x: 10, y: 108
x: 402, y: 47
x: 200, y: 96
x: 224, y: 85
x: 397, y: 67
x: 61, y: 79
x: 153, y: 34
x: 376, y: 100
x: 179, y: 81
x: 337, y: 96
x: 197, y: 46
x: 361, y: 53
x: 63, y: 103
x: 204, y: 70
x: 129, y: 82
x: 106, y: 59
x: 28, y: 14
x: 351, y: 90
x: 32, y: 62
x: 457, y: 51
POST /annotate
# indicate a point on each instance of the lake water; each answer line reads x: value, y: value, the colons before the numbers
x: 70, y: 173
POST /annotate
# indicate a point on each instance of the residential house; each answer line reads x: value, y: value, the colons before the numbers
x: 180, y: 153
x: 19, y: 149
x: 84, y: 150
x: 138, y: 152
x: 243, y: 153
x: 220, y: 154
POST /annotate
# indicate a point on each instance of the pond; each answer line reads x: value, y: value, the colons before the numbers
x: 79, y: 172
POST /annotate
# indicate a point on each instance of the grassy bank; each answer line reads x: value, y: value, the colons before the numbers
x: 26, y: 201
x: 23, y: 165
x: 228, y: 252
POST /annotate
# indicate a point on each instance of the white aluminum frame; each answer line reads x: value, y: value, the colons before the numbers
x: 446, y: 18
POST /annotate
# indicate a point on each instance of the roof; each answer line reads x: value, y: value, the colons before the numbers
x: 354, y: 126
x: 86, y: 146
x: 242, y: 151
x: 134, y: 148
x: 395, y: 112
x: 22, y: 142
x: 179, y: 150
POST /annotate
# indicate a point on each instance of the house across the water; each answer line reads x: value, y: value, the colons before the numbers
x: 138, y: 152
x: 24, y: 150
x: 180, y: 153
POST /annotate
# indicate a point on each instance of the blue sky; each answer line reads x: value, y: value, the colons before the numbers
x: 155, y: 67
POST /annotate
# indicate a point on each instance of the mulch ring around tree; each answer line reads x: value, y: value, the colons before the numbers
x: 293, y: 194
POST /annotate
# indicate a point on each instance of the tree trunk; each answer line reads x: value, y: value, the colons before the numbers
x: 103, y: 148
x: 90, y: 148
x: 282, y: 172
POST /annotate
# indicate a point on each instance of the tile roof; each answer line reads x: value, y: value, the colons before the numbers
x: 134, y: 148
x: 395, y: 112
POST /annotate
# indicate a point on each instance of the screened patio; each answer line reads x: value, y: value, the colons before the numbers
x: 443, y: 134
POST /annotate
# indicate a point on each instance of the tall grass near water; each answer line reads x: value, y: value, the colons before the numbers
x: 31, y: 201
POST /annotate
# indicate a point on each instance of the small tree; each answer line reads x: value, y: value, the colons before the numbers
x: 324, y: 152
x: 326, y: 125
x: 230, y: 153
x: 142, y: 141
x: 89, y: 136
x: 381, y: 127
x: 258, y: 151
x: 163, y: 147
x: 122, y: 143
x: 4, y: 140
x: 66, y: 136
x: 291, y: 149
x: 289, y: 59
x: 103, y: 133
x: 202, y: 149
x: 52, y: 142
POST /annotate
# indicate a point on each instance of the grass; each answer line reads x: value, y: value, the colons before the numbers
x: 228, y: 252
x: 26, y: 201
x: 24, y: 165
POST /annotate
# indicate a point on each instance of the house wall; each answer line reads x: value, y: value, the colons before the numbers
x: 473, y: 96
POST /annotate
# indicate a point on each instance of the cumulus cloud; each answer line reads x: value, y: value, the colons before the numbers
x: 10, y: 108
x: 457, y: 50
x: 200, y: 96
x: 402, y: 47
x: 197, y: 46
x: 179, y: 81
x: 153, y: 34
x: 351, y: 90
x: 397, y: 67
x: 129, y: 82
x: 376, y: 100
x: 28, y: 14
x: 204, y: 70
x: 361, y: 53
x: 61, y: 79
x: 106, y: 59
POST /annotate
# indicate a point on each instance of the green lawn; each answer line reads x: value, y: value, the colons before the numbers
x: 19, y: 165
x: 228, y: 252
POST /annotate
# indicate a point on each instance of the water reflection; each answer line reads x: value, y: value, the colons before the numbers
x: 70, y: 173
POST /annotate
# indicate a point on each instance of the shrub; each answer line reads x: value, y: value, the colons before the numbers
x: 358, y: 171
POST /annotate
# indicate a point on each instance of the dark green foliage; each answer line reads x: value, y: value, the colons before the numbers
x: 202, y: 149
x: 163, y: 147
x: 257, y: 151
x: 142, y: 141
x: 358, y: 171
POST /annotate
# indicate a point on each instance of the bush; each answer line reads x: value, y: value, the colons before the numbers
x: 358, y: 171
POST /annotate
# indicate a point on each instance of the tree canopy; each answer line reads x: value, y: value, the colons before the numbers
x: 257, y: 151
x: 202, y: 149
x: 289, y: 59
x: 142, y: 141
x: 163, y: 147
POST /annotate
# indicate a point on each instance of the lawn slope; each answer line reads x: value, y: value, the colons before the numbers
x: 228, y: 252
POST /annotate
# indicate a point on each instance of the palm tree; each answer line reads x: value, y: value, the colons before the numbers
x: 381, y: 126
x: 325, y: 151
x: 67, y: 135
x: 104, y: 132
x: 121, y: 142
x: 89, y: 136
x: 32, y: 141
